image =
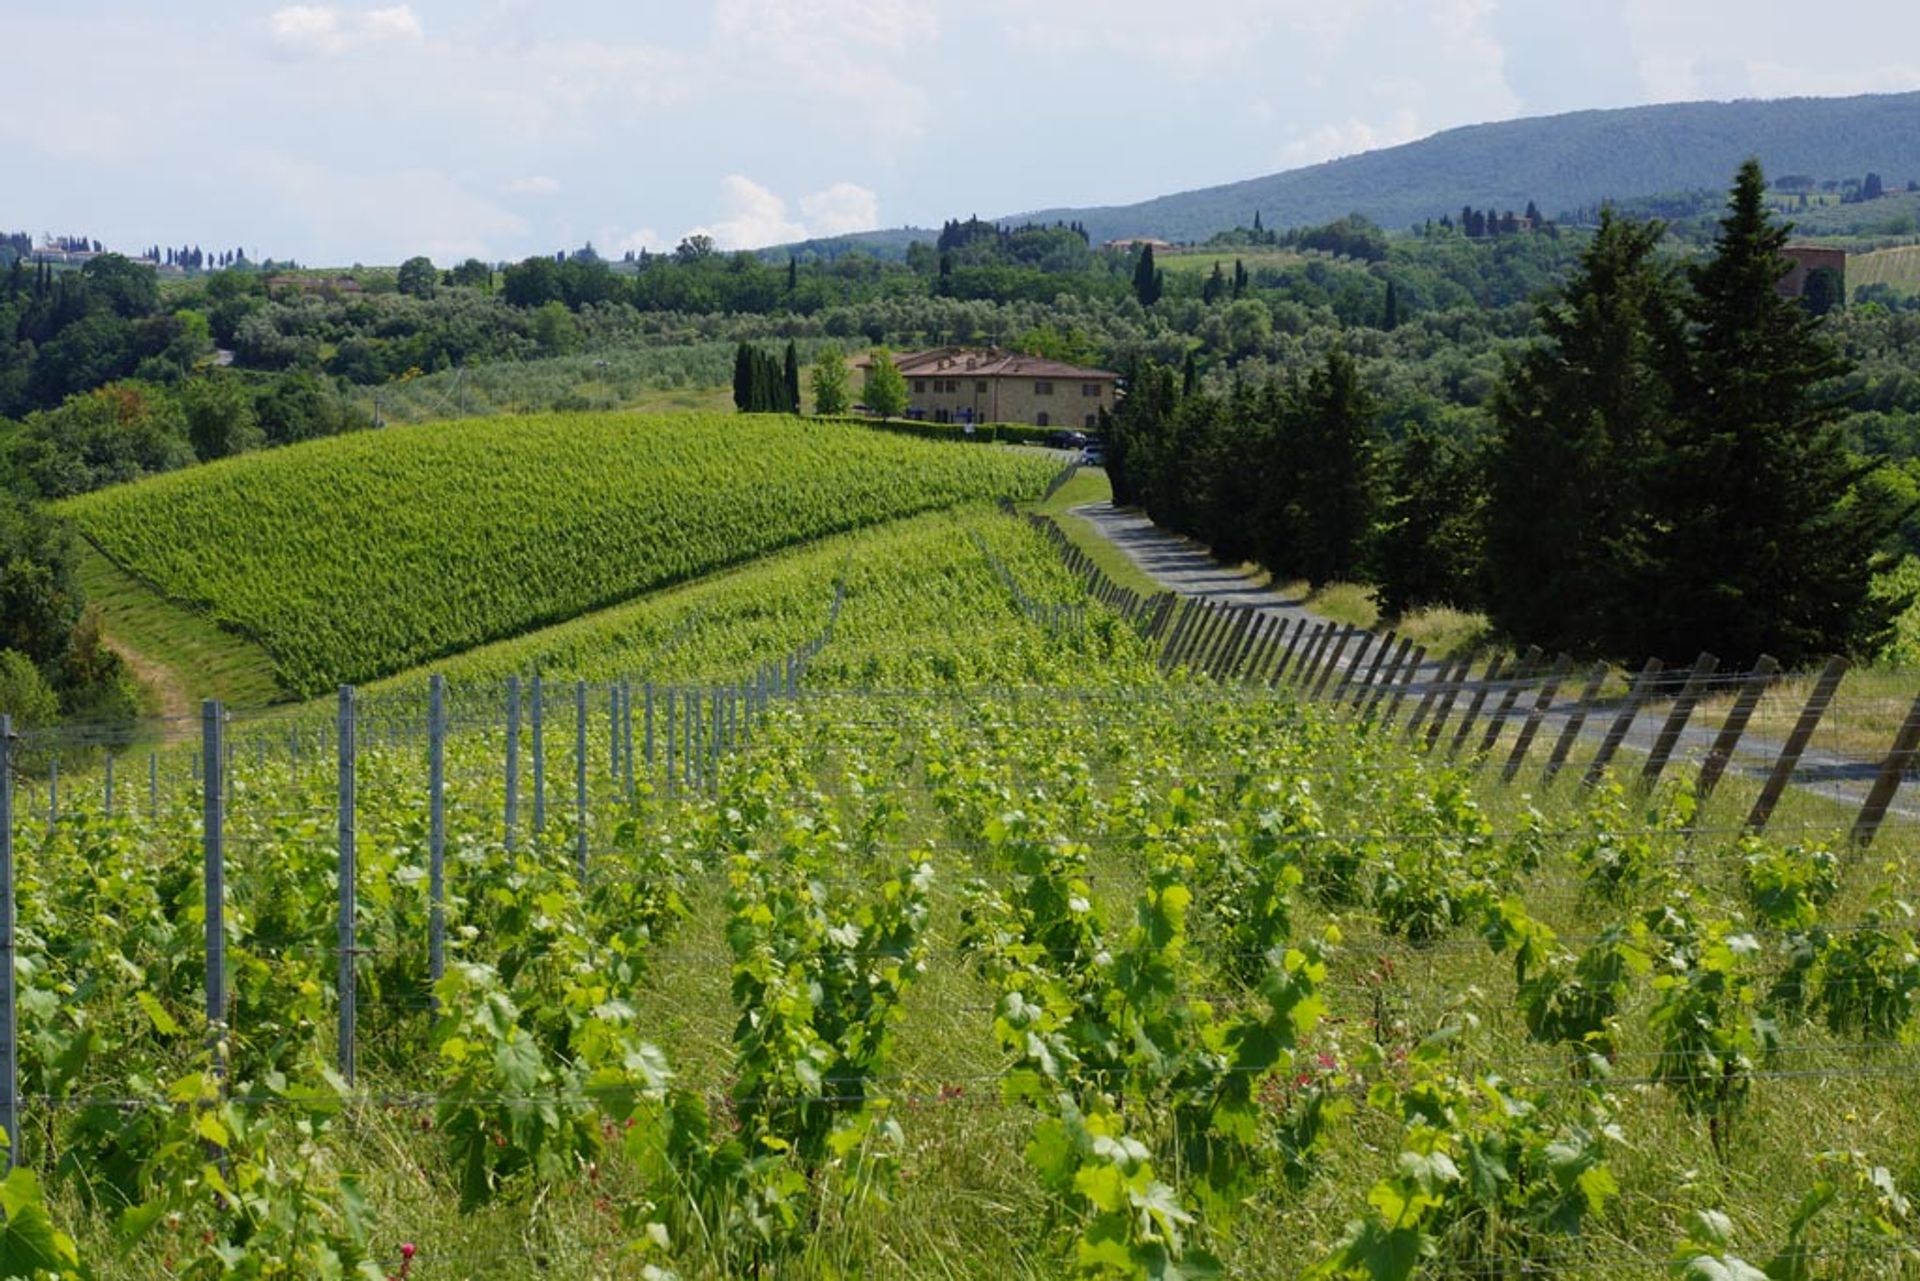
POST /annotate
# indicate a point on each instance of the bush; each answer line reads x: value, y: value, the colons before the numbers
x: 24, y: 692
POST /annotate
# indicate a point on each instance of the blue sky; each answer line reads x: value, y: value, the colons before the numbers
x: 344, y: 132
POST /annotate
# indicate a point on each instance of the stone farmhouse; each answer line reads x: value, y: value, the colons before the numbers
x: 1806, y: 260
x: 967, y: 385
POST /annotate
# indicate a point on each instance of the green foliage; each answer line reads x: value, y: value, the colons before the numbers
x: 24, y: 692
x: 418, y: 278
x: 462, y: 537
x: 886, y: 387
x: 830, y: 387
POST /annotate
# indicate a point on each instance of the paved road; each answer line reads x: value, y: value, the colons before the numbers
x: 1183, y: 566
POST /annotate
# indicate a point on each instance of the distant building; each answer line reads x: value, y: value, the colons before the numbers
x: 960, y: 385
x: 1806, y: 260
x: 1130, y: 243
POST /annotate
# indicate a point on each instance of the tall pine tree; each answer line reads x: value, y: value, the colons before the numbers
x: 790, y: 381
x: 1769, y: 548
x: 1580, y: 418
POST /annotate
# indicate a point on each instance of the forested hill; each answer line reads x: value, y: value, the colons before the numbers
x: 1560, y: 162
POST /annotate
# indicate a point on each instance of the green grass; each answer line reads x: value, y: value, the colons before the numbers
x: 178, y: 656
x: 353, y: 558
x: 1091, y: 485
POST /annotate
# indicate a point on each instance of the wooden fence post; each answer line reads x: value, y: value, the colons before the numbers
x: 1677, y: 718
x: 1736, y: 725
x: 1369, y: 645
x: 1316, y: 656
x: 1906, y: 748
x: 1617, y: 732
x: 1449, y: 670
x: 1488, y: 680
x: 1449, y: 695
x: 1796, y: 744
x: 1347, y: 633
x: 1571, y: 730
x: 1521, y: 676
x: 1286, y: 659
x: 1535, y: 715
x: 1365, y: 683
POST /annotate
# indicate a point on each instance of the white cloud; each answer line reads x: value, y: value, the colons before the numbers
x: 327, y: 30
x: 620, y: 242
x: 536, y: 185
x: 758, y: 217
x: 841, y: 210
x: 1331, y: 141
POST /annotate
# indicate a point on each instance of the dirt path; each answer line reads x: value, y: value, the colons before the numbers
x: 172, y: 705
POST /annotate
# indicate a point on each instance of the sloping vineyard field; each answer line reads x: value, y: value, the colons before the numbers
x: 980, y: 948
x: 357, y: 557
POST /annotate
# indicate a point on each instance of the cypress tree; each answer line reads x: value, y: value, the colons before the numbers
x: 743, y: 366
x: 1336, y: 472
x: 1771, y: 547
x: 1147, y: 282
x: 1390, y: 316
x: 793, y: 273
x: 1240, y: 278
x: 1426, y: 550
x: 790, y: 380
x: 1579, y: 418
x: 1216, y: 286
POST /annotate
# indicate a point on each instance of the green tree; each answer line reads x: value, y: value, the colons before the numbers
x: 1825, y: 291
x: 24, y: 692
x: 1148, y: 283
x: 743, y: 378
x: 220, y: 416
x: 1767, y: 549
x: 886, y: 389
x: 1390, y: 313
x: 418, y: 277
x: 790, y: 380
x: 555, y: 329
x: 1579, y: 419
x: 830, y: 382
x: 1336, y: 472
x: 1427, y: 550
x: 474, y: 274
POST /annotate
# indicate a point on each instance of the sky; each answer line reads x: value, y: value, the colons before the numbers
x: 336, y: 133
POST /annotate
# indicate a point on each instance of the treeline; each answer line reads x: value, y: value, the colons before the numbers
x: 1665, y: 469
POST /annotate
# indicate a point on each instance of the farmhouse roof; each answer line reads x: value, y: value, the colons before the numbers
x: 946, y: 362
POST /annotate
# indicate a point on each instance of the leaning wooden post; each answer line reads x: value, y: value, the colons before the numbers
x: 1286, y: 658
x: 1796, y: 744
x: 1408, y: 675
x: 1522, y: 675
x: 1743, y: 708
x: 1347, y: 634
x: 436, y: 828
x: 1447, y: 672
x: 1369, y: 643
x: 1490, y: 678
x: 1617, y: 732
x: 1906, y: 748
x: 1538, y: 713
x: 1450, y: 694
x: 1316, y: 654
x: 1576, y: 721
x: 213, y: 830
x: 1397, y: 669
x: 1365, y: 683
x: 1676, y: 723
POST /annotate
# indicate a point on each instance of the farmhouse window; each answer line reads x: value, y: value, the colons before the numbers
x: 980, y: 386
x: 919, y: 386
x: 1089, y: 389
x: 1043, y: 388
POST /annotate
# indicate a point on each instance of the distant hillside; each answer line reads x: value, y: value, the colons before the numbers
x: 1561, y: 162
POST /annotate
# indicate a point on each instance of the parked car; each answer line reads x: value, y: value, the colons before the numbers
x: 1094, y: 455
x: 1067, y: 439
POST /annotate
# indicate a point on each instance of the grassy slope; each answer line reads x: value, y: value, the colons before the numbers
x: 179, y: 656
